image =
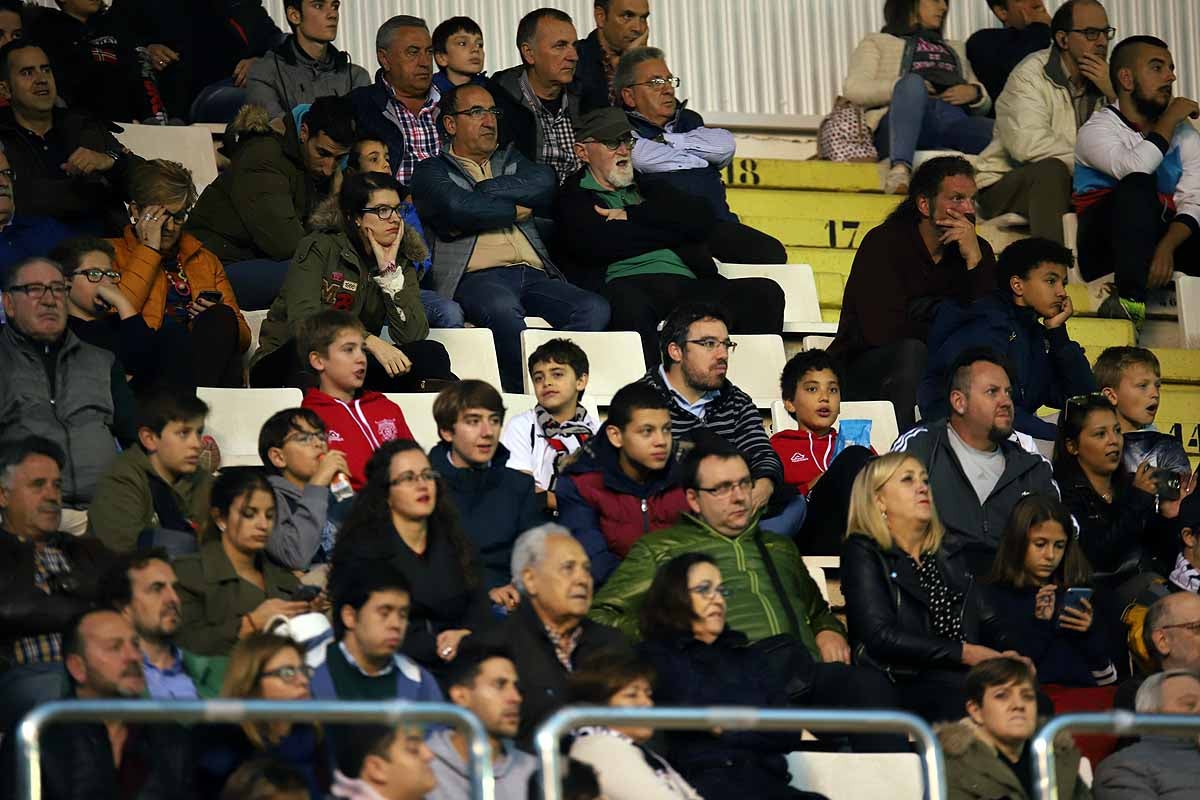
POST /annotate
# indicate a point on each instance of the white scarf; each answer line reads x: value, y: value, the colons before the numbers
x: 1184, y: 575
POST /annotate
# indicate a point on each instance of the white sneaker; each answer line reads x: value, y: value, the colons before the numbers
x: 897, y: 179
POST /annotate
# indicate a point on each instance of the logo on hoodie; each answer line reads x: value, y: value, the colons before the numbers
x: 798, y: 457
x: 334, y: 436
x: 387, y: 429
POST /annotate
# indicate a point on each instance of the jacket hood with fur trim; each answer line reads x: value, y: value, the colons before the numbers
x: 327, y: 218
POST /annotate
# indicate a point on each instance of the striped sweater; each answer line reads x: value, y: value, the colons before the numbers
x: 731, y: 415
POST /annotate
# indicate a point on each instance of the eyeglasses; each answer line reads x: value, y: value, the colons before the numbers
x: 409, y: 478
x: 711, y: 344
x: 385, y: 212
x: 613, y: 144
x: 723, y: 490
x: 1093, y: 34
x: 95, y: 275
x: 660, y: 83
x: 180, y: 216
x: 706, y: 590
x: 289, y: 674
x: 305, y: 438
x: 37, y: 291
x: 11, y: 174
x: 1192, y: 627
x: 478, y: 112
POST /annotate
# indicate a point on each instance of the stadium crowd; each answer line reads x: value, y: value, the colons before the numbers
x: 654, y: 554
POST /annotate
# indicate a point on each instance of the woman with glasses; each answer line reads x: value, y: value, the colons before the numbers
x: 404, y: 516
x: 230, y: 590
x: 360, y: 259
x: 263, y: 667
x: 912, y: 612
x: 178, y: 286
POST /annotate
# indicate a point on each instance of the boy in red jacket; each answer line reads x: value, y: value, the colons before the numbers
x: 356, y: 422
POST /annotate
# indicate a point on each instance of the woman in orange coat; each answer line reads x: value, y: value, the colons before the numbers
x: 180, y: 287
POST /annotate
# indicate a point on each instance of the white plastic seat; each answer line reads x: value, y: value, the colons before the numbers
x: 236, y: 415
x: 418, y: 415
x: 857, y: 776
x: 882, y: 414
x: 816, y: 342
x: 756, y: 365
x: 1071, y: 232
x: 190, y: 146
x: 538, y: 322
x: 802, y: 306
x: 614, y: 358
x: 817, y: 572
x: 254, y: 319
x: 1187, y: 294
x: 472, y: 353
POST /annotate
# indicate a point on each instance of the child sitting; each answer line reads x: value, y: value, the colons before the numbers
x: 357, y: 422
x: 458, y: 51
x: 1131, y: 380
x: 537, y: 440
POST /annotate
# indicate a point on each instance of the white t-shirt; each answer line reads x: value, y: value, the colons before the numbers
x: 982, y: 468
x: 528, y: 449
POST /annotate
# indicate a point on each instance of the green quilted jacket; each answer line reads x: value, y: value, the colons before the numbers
x: 754, y: 607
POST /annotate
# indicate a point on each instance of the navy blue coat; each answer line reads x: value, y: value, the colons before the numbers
x: 1047, y: 366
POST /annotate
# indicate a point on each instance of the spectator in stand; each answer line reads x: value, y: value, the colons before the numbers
x: 672, y: 145
x: 811, y: 384
x: 175, y: 282
x: 47, y: 577
x: 371, y: 603
x: 143, y: 588
x: 627, y: 768
x: 540, y: 440
x: 1184, y: 573
x: 549, y: 635
x: 917, y: 88
x: 263, y: 666
x: 401, y: 107
x: 624, y: 483
x: 71, y: 166
x: 404, y: 517
x: 230, y: 590
x: 1131, y: 380
x: 913, y: 608
x: 357, y: 422
x: 97, y: 67
x: 197, y: 47
x: 305, y: 65
x: 621, y: 27
x: 648, y: 248
x: 1025, y: 319
x: 480, y: 200
x: 484, y: 681
x: 156, y: 493
x: 253, y: 216
x: 695, y: 347
x: 360, y: 259
x: 496, y: 503
x: 1171, y: 635
x: 1137, y: 180
x: 83, y: 409
x: 383, y: 763
x: 12, y: 22
x: 1027, y: 167
x: 539, y: 97
x: 293, y: 446
x: 925, y: 252
x: 988, y: 753
x: 995, y: 52
x: 22, y: 236
x: 265, y: 778
x: 977, y: 471
x: 1165, y: 767
x: 458, y: 51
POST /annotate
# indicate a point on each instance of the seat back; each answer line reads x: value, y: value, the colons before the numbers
x: 882, y: 414
x: 418, y: 414
x: 817, y: 571
x: 614, y: 358
x: 472, y: 353
x: 235, y: 417
x: 191, y: 146
x: 801, y: 304
x: 857, y: 776
x: 756, y: 365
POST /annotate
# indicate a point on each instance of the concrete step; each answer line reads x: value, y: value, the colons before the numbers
x: 793, y: 203
x: 787, y: 174
x: 830, y: 288
x: 823, y: 259
x: 797, y: 232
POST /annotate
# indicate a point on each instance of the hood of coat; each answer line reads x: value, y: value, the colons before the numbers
x: 959, y: 737
x: 327, y: 218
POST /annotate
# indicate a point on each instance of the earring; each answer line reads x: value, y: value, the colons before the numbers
x: 883, y: 514
x: 221, y: 528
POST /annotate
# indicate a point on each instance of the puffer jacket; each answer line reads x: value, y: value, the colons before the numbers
x: 754, y: 607
x: 328, y: 272
x: 608, y: 511
x: 287, y: 77
x: 974, y: 770
x: 888, y: 612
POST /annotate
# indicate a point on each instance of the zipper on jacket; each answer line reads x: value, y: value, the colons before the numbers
x: 645, y: 517
x: 962, y: 612
x: 66, y: 428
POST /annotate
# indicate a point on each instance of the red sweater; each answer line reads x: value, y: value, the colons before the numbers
x: 805, y: 456
x: 358, y: 428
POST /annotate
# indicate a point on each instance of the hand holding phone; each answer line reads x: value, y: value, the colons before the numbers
x: 306, y: 593
x: 212, y: 296
x: 1076, y: 613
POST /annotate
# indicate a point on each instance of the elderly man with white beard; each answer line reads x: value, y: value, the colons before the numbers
x: 646, y: 247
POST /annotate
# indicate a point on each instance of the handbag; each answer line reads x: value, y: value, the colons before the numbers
x: 844, y: 134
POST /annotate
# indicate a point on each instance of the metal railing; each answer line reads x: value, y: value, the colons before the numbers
x: 29, y: 771
x: 1118, y: 723
x: 738, y: 718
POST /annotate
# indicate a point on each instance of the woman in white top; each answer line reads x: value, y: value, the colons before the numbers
x: 625, y: 767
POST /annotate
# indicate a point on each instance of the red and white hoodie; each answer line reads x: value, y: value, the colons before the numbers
x: 805, y: 456
x: 359, y: 427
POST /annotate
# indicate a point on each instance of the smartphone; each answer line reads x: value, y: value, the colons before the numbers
x: 213, y: 296
x: 306, y: 593
x: 1169, y: 483
x: 1074, y: 598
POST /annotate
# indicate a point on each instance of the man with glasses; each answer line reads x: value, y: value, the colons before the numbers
x: 59, y: 387
x: 645, y: 246
x: 479, y: 201
x: 1027, y: 167
x: 1170, y: 633
x: 672, y: 145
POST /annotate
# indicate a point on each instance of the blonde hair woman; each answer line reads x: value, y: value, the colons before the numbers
x: 911, y: 611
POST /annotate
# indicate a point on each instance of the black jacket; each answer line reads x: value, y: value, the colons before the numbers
x: 995, y: 52
x: 589, y: 73
x: 887, y: 611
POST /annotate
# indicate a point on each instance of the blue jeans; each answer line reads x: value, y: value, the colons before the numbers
x: 256, y: 283
x: 790, y: 520
x: 440, y: 311
x: 500, y: 298
x: 916, y: 121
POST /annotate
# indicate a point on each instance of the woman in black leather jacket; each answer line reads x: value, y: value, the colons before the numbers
x: 912, y: 612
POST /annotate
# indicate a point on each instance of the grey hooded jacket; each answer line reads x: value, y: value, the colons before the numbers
x: 299, y: 519
x: 287, y: 77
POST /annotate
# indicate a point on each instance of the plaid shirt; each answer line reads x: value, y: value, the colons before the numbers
x: 421, y: 137
x: 48, y: 560
x: 556, y: 143
x: 564, y: 646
